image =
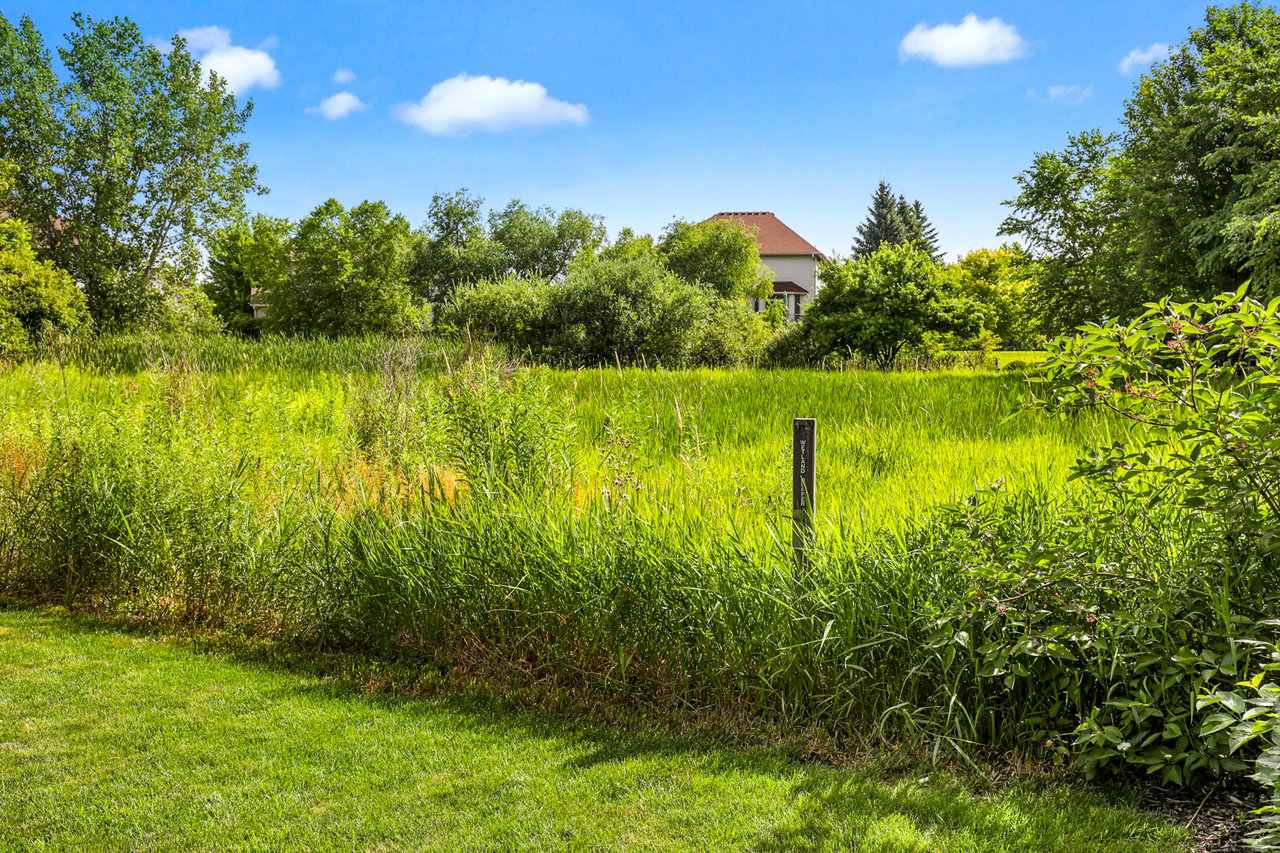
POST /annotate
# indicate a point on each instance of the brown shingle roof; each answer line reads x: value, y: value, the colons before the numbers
x: 772, y: 234
x: 787, y: 287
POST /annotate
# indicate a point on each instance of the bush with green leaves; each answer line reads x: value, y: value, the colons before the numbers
x: 730, y: 334
x: 633, y: 310
x: 999, y: 281
x: 878, y: 305
x: 33, y: 293
x: 348, y: 275
x: 1253, y: 717
x: 630, y: 310
x: 1200, y: 382
x: 723, y: 254
x: 511, y: 310
x: 247, y: 259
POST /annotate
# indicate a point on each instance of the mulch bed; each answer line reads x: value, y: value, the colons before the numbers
x: 1219, y: 817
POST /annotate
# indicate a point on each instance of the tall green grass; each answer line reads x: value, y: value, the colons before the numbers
x: 624, y: 534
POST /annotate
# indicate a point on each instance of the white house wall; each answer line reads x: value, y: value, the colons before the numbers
x: 802, y: 269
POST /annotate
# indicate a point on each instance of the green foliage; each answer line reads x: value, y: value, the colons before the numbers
x: 511, y: 310
x: 790, y: 345
x: 247, y: 260
x: 893, y: 221
x: 632, y: 310
x: 731, y: 334
x: 542, y: 243
x: 502, y: 432
x: 348, y: 275
x: 613, y: 308
x: 1182, y: 204
x: 1200, y: 378
x: 720, y: 253
x: 627, y: 245
x: 883, y: 225
x: 999, y: 283
x: 879, y: 304
x: 921, y: 232
x: 33, y: 294
x: 453, y: 248
x: 1069, y: 212
x: 456, y: 247
x: 1202, y: 158
x: 124, y: 162
x: 1253, y: 718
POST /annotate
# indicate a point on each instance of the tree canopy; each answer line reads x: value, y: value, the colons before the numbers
x: 348, y: 274
x: 999, y: 283
x: 32, y: 293
x: 892, y: 220
x: 126, y: 160
x: 876, y: 305
x: 458, y: 246
x: 247, y: 258
x: 720, y: 253
x: 1184, y: 201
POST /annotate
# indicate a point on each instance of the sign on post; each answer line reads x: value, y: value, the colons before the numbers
x: 803, y: 488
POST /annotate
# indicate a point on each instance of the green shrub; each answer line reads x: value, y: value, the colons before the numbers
x: 511, y: 310
x: 631, y: 310
x: 730, y: 334
x: 33, y: 294
x: 789, y: 346
x: 1200, y: 379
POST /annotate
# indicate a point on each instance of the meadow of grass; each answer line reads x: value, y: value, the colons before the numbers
x: 713, y: 443
x: 113, y: 740
x: 622, y: 536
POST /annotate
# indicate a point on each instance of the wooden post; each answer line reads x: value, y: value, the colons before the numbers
x: 803, y: 490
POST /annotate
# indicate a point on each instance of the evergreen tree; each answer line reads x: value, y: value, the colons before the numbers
x: 925, y: 234
x: 893, y: 221
x: 884, y: 223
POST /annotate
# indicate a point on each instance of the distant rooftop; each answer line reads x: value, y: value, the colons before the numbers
x: 772, y: 234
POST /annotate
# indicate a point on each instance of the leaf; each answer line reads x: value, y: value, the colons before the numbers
x: 1216, y: 723
x: 1232, y: 700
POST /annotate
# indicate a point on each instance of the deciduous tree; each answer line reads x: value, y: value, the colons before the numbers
x: 247, y: 259
x: 126, y: 160
x: 348, y: 274
x: 879, y: 304
x: 720, y: 253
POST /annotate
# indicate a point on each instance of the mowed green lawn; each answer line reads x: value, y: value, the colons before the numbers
x: 112, y: 741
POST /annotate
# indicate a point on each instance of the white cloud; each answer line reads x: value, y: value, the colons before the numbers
x: 461, y: 104
x: 243, y: 67
x: 1063, y: 95
x: 338, y: 106
x: 343, y: 76
x: 971, y: 42
x: 1141, y: 56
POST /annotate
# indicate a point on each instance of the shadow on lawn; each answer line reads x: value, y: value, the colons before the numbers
x: 856, y: 811
x: 852, y: 809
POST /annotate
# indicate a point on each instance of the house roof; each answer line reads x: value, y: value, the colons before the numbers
x: 772, y: 234
x: 787, y: 287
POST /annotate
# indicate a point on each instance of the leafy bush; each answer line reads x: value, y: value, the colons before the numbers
x: 32, y: 293
x: 512, y: 310
x: 1250, y: 718
x: 348, y: 275
x: 731, y: 333
x: 789, y: 346
x: 877, y: 305
x: 633, y: 310
x: 1200, y: 379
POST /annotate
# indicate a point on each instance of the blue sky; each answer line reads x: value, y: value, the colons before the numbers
x: 647, y: 112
